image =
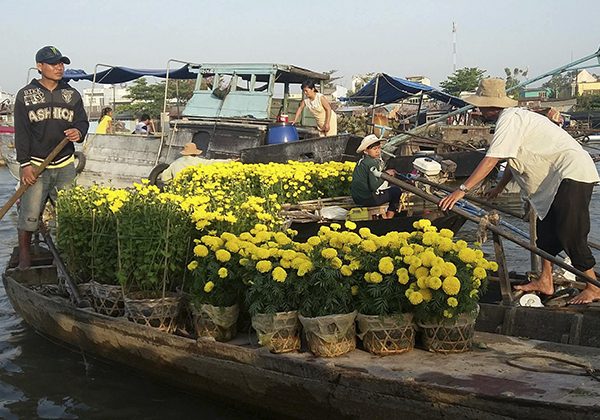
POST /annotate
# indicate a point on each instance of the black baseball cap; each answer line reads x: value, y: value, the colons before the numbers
x: 50, y: 55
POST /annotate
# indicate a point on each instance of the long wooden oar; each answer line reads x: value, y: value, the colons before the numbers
x: 37, y: 170
x: 471, y: 198
x: 484, y: 203
x: 408, y: 187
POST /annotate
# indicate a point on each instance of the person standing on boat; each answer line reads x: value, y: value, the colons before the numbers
x: 319, y: 107
x: 105, y: 122
x: 46, y: 111
x: 366, y: 188
x: 553, y: 170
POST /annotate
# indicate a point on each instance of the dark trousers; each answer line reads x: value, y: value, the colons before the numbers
x: 390, y: 195
x: 567, y: 224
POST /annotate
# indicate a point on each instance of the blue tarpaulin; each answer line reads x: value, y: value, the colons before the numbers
x: 116, y: 75
x: 384, y: 89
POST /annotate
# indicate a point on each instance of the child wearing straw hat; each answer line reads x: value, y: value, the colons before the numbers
x: 367, y: 189
x: 556, y: 174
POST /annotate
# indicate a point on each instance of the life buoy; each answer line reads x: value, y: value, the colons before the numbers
x: 79, y: 162
x: 155, y: 173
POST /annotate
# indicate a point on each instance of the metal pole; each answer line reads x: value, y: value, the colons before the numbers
x: 375, y: 100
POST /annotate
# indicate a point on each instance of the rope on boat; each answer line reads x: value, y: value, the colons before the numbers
x: 588, y: 370
x: 491, y: 218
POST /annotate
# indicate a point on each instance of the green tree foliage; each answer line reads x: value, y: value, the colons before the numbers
x: 513, y: 78
x: 588, y: 102
x: 465, y: 79
x: 148, y: 98
x: 560, y: 84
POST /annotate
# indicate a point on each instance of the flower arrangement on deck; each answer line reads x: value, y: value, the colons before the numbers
x: 447, y: 276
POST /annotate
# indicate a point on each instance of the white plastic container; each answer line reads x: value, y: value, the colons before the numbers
x: 427, y: 166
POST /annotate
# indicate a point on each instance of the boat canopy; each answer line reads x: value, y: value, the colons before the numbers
x: 116, y: 75
x: 283, y: 73
x: 387, y: 89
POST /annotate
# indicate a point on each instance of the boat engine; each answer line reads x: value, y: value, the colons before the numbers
x: 434, y: 171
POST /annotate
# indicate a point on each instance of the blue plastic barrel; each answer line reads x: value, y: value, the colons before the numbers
x: 281, y: 133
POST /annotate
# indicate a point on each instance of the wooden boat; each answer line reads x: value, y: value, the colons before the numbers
x: 483, y: 383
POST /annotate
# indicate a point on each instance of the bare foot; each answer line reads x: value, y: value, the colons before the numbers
x: 540, y: 285
x: 590, y: 294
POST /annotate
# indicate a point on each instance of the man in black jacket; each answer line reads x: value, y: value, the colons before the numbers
x: 46, y: 111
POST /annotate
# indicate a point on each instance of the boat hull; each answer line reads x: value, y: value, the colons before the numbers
x: 298, y: 385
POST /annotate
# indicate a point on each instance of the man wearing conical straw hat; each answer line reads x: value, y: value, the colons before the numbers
x: 189, y: 157
x: 556, y: 174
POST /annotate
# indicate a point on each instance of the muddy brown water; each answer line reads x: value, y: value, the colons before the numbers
x: 42, y: 379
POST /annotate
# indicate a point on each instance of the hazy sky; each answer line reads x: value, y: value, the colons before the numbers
x: 397, y: 37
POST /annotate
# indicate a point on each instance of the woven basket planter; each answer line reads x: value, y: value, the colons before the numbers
x: 449, y: 335
x: 107, y: 299
x: 279, y: 332
x: 160, y: 313
x: 218, y: 322
x: 385, y: 335
x: 331, y: 335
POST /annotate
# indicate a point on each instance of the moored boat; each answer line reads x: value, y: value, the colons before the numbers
x: 484, y: 383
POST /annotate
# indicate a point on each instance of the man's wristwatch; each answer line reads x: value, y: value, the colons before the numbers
x: 463, y: 188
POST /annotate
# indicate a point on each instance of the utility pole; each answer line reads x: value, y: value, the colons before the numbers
x: 453, y: 47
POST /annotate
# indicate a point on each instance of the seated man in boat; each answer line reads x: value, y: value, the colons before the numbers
x: 367, y: 189
x: 189, y: 157
x: 553, y: 170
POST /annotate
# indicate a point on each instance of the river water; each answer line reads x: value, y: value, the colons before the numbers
x: 42, y: 379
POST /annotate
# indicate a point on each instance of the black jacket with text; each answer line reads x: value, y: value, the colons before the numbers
x: 41, y: 117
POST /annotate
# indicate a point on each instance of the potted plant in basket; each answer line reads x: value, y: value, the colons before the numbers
x: 87, y: 239
x: 151, y: 262
x: 270, y: 271
x: 385, y: 324
x: 216, y: 287
x: 447, y: 278
x: 327, y: 310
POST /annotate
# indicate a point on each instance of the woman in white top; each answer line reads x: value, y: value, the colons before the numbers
x: 319, y: 107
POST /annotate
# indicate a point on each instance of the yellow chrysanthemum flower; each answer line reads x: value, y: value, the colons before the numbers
x: 329, y: 253
x: 222, y: 255
x: 346, y: 271
x: 434, y: 283
x: 279, y: 274
x: 350, y: 225
x: 368, y: 245
x: 192, y: 265
x: 264, y: 266
x: 354, y: 290
x: 479, y: 273
x: 451, y: 285
x: 403, y: 276
x: 223, y: 273
x: 415, y: 298
x: 209, y: 286
x: 375, y: 277
x: 467, y: 255
x: 452, y: 302
x: 200, y: 251
x: 386, y: 265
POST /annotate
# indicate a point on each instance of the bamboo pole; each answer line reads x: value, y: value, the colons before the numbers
x: 411, y: 188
